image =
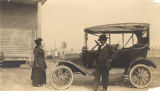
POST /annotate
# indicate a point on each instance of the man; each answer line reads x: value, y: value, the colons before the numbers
x: 103, y: 63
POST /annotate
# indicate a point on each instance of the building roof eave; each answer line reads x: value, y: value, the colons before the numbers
x: 43, y: 1
x: 25, y: 1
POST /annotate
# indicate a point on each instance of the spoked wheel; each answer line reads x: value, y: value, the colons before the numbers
x: 61, y: 77
x: 140, y: 76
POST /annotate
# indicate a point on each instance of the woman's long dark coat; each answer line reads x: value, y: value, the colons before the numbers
x: 38, y: 75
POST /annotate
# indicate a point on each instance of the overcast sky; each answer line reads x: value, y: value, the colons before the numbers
x: 65, y: 20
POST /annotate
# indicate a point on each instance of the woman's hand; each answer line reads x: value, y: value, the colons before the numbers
x: 110, y: 60
x: 37, y: 66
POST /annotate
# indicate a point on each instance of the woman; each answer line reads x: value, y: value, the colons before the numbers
x: 38, y: 76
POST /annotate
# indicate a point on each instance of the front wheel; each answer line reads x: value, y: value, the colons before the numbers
x: 140, y: 76
x: 61, y: 77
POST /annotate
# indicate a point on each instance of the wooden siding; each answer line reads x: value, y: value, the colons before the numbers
x: 17, y: 29
x: 16, y: 42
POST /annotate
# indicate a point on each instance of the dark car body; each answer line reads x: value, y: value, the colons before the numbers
x: 124, y: 56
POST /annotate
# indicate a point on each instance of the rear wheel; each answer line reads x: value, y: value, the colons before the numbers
x: 61, y: 77
x: 140, y: 76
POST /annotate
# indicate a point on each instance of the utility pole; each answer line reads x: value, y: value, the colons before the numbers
x: 55, y: 45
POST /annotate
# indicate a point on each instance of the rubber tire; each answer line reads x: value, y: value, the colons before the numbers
x: 68, y: 85
x: 131, y: 71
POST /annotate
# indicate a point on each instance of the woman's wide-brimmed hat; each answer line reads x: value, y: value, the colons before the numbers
x: 38, y: 40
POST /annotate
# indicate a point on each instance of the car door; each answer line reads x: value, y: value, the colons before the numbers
x: 122, y: 58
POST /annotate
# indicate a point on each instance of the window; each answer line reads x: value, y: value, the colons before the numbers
x: 127, y: 37
x: 144, y: 34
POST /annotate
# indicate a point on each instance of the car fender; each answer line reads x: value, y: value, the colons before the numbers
x: 141, y: 60
x: 74, y: 67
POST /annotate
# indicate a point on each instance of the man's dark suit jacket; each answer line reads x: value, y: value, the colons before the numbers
x: 104, y: 56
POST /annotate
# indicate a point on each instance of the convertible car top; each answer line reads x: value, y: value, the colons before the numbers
x: 118, y: 28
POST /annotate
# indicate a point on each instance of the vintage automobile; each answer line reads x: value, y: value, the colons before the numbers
x: 132, y: 59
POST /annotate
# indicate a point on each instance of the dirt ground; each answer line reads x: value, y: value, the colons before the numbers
x: 15, y: 79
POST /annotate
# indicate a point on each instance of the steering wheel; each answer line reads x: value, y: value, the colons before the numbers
x: 97, y: 42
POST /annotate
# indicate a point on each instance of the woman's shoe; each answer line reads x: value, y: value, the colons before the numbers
x: 43, y: 85
x: 36, y: 85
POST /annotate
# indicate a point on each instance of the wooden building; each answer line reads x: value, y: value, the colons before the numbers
x: 20, y: 25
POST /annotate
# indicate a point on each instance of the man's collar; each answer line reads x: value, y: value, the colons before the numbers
x: 104, y: 44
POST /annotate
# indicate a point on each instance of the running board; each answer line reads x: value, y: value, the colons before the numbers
x: 1, y: 63
x: 124, y: 77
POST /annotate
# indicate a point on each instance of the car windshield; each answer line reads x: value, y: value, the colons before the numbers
x: 91, y: 41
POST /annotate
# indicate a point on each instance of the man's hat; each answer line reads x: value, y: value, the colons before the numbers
x: 102, y: 37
